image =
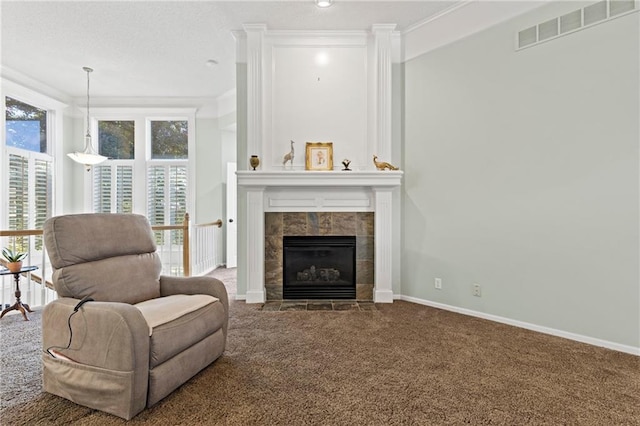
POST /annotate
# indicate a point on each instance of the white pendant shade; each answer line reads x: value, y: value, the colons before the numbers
x: 88, y: 157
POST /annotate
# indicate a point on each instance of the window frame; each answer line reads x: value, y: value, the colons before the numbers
x: 142, y: 117
x: 55, y: 119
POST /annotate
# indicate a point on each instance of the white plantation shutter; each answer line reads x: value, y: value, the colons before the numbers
x: 167, y: 196
x: 43, y: 195
x: 18, y: 192
x: 30, y: 192
x: 102, y: 189
x: 156, y: 178
x: 113, y: 189
x: 124, y: 189
x: 177, y: 198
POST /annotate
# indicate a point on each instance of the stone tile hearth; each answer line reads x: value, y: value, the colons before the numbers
x: 318, y: 305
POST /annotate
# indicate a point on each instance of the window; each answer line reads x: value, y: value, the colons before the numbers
x: 116, y: 139
x: 113, y: 181
x: 30, y: 169
x: 169, y: 140
x: 147, y: 171
x: 26, y: 126
x: 167, y: 180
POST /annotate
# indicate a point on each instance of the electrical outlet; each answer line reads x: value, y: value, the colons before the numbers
x: 437, y: 282
x: 477, y: 290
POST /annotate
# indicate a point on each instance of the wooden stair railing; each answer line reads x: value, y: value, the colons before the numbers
x: 186, y: 255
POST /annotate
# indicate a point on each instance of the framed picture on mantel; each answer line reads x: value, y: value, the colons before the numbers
x: 319, y: 156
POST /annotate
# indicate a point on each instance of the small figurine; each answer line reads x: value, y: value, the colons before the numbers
x: 288, y: 157
x: 382, y: 165
x: 346, y: 163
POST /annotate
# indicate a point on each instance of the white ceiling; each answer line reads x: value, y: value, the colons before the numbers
x: 159, y: 48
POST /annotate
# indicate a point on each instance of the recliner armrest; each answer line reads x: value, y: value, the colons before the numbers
x: 109, y: 335
x: 196, y: 285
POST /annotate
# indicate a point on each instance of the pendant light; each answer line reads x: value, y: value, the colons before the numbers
x: 88, y: 157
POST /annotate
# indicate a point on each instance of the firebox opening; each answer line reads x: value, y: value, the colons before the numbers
x: 319, y: 267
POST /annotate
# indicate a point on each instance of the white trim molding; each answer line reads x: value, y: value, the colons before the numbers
x: 461, y: 20
x: 521, y: 324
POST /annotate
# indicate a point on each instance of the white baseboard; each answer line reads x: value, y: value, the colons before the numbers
x: 546, y: 330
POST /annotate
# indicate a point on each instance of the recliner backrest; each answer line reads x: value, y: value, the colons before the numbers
x: 109, y: 257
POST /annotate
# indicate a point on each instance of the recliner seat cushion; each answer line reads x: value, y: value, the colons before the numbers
x: 173, y: 337
x: 162, y: 310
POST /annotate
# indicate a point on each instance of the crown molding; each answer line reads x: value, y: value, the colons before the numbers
x: 461, y: 20
x: 34, y: 89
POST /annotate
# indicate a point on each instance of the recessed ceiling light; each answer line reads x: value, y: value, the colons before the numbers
x: 211, y: 63
x: 324, y: 3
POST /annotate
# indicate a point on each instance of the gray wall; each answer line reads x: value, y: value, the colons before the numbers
x: 521, y: 175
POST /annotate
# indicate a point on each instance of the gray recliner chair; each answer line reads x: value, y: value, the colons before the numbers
x: 142, y: 335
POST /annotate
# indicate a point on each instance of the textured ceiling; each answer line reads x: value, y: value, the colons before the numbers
x: 159, y: 48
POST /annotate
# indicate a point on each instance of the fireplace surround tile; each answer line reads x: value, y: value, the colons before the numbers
x: 294, y: 223
x: 319, y: 223
x: 364, y: 224
x: 364, y: 248
x: 280, y: 224
x: 273, y: 225
x: 344, y: 223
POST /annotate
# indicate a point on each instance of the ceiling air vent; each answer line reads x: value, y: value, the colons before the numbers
x: 602, y: 11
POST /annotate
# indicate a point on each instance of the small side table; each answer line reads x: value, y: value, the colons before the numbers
x: 18, y: 306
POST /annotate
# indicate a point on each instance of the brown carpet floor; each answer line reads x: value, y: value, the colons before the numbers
x: 401, y: 364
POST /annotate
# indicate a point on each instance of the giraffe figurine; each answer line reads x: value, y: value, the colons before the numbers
x: 288, y: 157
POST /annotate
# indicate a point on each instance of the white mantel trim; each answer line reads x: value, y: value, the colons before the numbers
x: 303, y: 186
x: 295, y: 178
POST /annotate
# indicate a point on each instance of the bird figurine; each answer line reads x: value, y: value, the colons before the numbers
x: 288, y: 156
x: 382, y: 165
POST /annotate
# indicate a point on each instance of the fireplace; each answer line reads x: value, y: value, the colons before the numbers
x: 331, y: 203
x: 319, y: 267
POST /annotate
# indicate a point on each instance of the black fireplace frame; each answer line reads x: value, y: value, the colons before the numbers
x: 326, y: 290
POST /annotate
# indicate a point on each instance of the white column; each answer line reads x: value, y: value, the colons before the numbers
x: 254, y: 261
x: 382, y: 39
x: 255, y: 111
x: 383, y: 279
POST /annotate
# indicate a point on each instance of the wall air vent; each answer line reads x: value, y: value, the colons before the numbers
x: 528, y: 36
x: 595, y: 12
x: 570, y: 21
x: 602, y: 11
x: 548, y: 29
x: 616, y: 7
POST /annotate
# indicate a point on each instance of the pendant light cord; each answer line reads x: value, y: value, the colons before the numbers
x: 88, y: 70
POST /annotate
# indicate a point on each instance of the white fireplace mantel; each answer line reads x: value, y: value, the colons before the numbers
x: 305, y: 191
x: 297, y: 178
